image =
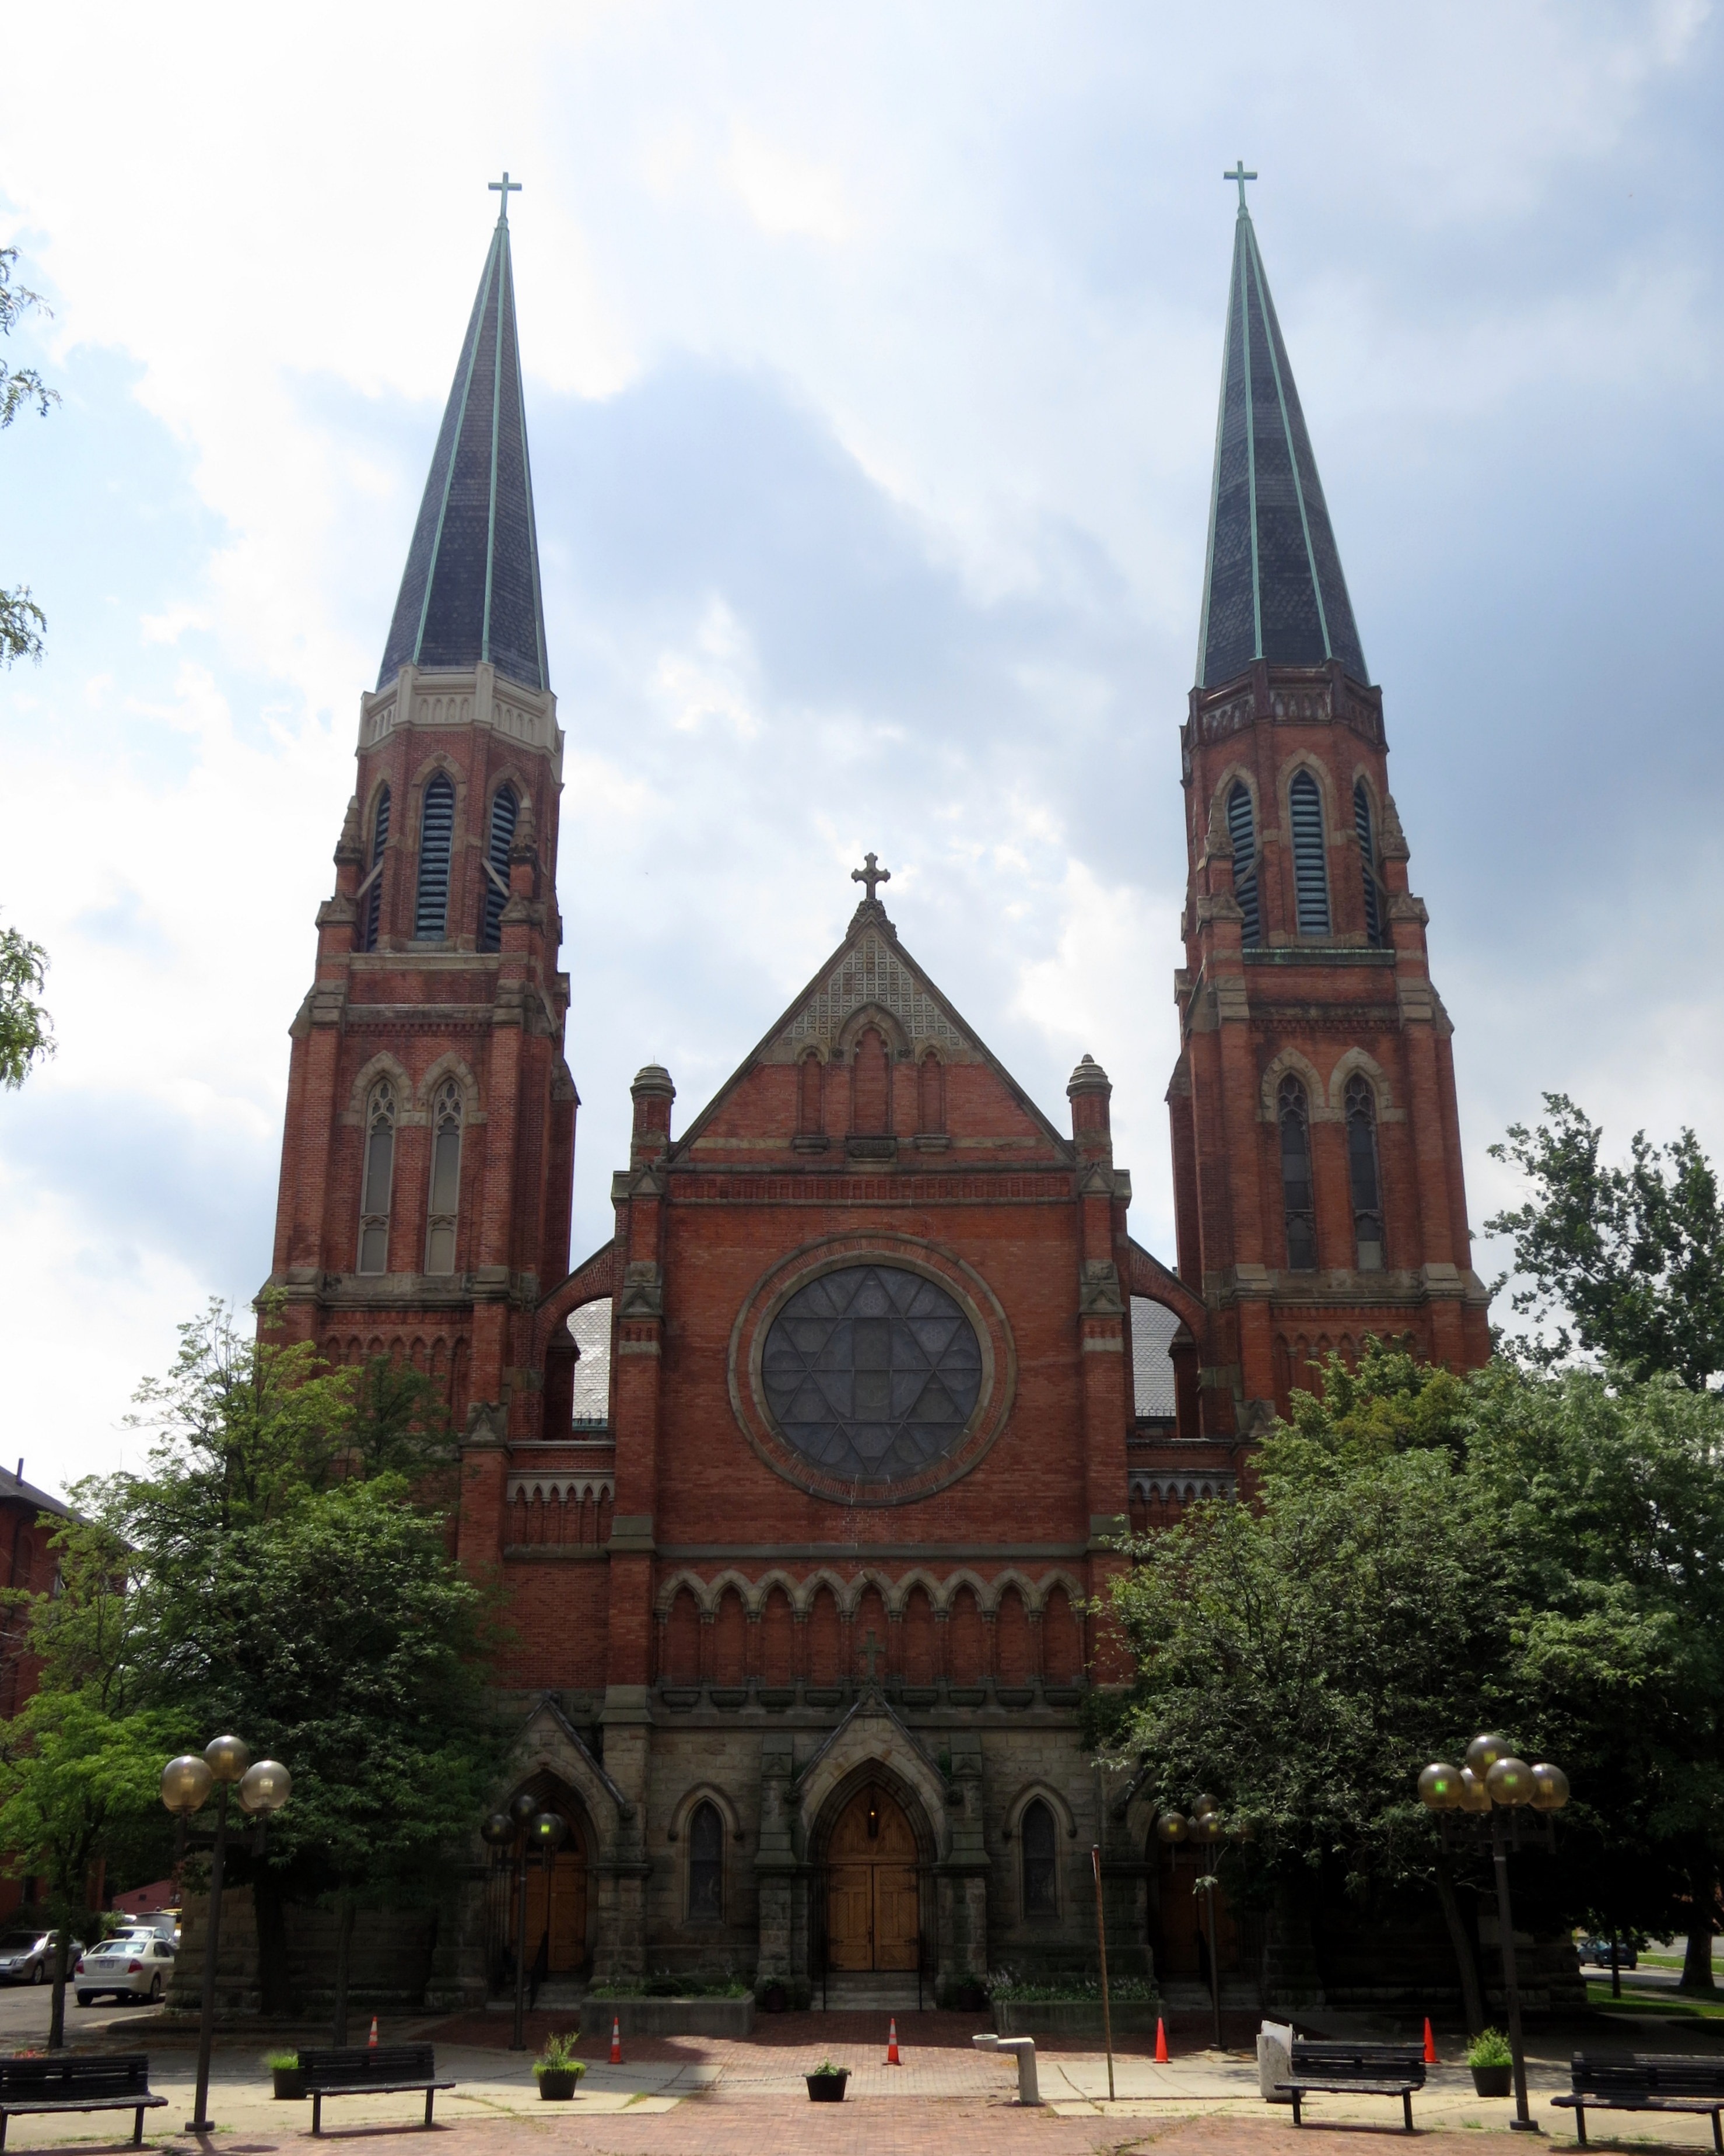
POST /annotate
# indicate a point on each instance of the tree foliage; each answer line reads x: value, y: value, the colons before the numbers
x: 1428, y: 1556
x: 1627, y: 1261
x: 26, y: 1029
x: 21, y: 621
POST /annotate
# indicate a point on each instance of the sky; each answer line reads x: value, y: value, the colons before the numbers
x: 871, y: 365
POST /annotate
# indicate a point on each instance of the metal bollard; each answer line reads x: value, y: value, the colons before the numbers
x: 1028, y: 2088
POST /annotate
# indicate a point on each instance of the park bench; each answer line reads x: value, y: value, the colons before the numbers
x: 1354, y: 2070
x: 370, y: 2069
x: 67, y: 2083
x: 1645, y: 2081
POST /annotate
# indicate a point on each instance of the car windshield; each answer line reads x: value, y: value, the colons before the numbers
x: 19, y: 1942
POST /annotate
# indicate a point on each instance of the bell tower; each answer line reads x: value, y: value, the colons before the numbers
x: 1317, y: 1145
x: 428, y: 1158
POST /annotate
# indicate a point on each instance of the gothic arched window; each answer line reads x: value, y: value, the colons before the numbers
x: 1036, y: 1853
x: 445, y: 1178
x: 931, y: 1116
x: 1242, y: 830
x: 505, y: 809
x: 1311, y: 873
x: 379, y: 1175
x: 1297, y: 1195
x: 437, y: 839
x: 371, y: 891
x: 1368, y: 862
x: 1361, y: 1170
x: 706, y: 1863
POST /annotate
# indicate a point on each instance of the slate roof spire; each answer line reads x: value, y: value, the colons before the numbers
x: 1273, y: 587
x: 470, y: 590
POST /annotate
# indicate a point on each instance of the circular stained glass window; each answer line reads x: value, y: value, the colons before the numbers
x: 872, y: 1373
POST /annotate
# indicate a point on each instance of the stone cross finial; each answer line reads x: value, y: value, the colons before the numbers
x: 871, y: 874
x: 505, y: 187
x: 1238, y: 174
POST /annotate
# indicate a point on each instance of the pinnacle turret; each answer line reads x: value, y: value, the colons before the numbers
x: 470, y: 591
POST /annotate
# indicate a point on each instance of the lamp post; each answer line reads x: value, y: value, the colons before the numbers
x: 516, y: 1834
x: 263, y: 1787
x: 1205, y: 1826
x: 1493, y: 1783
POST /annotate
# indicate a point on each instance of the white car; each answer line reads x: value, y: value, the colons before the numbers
x: 137, y: 1965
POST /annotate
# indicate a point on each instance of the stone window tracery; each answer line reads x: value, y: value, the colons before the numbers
x: 378, y: 1177
x: 1297, y: 1198
x: 445, y: 1193
x: 1362, y: 1172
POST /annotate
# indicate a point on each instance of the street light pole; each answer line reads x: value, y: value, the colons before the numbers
x: 263, y: 1787
x: 1205, y: 1824
x: 1494, y: 1781
x: 520, y: 1830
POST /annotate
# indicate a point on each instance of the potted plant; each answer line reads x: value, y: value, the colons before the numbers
x: 556, y: 2069
x: 289, y: 2076
x: 826, y: 2084
x: 1492, y: 2062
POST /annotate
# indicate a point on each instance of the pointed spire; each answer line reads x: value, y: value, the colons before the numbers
x: 1273, y: 588
x: 470, y: 590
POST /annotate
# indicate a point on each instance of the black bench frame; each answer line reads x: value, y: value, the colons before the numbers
x: 1354, y: 2070
x: 1646, y: 2080
x: 69, y: 2082
x: 370, y: 2069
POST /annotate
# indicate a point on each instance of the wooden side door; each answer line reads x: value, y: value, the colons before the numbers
x: 849, y: 1916
x: 897, y: 1916
x: 568, y: 1914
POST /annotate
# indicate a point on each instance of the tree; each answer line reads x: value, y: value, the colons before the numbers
x: 1632, y: 1257
x: 21, y: 621
x: 26, y: 1029
x: 77, y: 1785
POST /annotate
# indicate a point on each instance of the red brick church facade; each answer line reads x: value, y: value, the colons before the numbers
x: 797, y: 1549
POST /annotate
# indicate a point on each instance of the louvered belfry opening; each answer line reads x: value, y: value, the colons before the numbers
x: 437, y: 834
x: 1310, y: 871
x: 504, y: 811
x: 1242, y: 830
x: 1367, y: 864
x: 372, y: 896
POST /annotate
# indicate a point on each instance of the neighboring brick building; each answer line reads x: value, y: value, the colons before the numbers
x: 801, y: 1485
x: 29, y: 1566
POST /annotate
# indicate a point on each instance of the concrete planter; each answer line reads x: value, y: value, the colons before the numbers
x: 669, y: 2017
x: 1071, y: 2017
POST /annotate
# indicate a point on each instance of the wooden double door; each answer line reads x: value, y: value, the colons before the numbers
x: 872, y: 1899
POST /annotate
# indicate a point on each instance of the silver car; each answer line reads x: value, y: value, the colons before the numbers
x: 133, y: 1966
x: 27, y: 1957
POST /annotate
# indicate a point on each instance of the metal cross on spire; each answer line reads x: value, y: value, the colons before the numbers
x: 1238, y: 173
x: 505, y: 187
x: 871, y: 874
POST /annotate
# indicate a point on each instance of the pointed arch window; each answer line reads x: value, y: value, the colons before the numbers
x: 378, y: 1178
x: 445, y: 1203
x: 1362, y: 1171
x: 504, y: 811
x: 706, y: 1863
x: 1297, y: 1200
x: 1037, y: 1844
x: 809, y: 1102
x: 1368, y: 862
x: 437, y: 839
x: 1311, y: 872
x: 371, y: 891
x: 1242, y: 830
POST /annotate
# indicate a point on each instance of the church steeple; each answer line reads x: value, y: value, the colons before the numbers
x: 1273, y: 587
x: 470, y: 591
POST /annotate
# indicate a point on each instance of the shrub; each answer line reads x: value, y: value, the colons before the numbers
x: 1490, y: 2048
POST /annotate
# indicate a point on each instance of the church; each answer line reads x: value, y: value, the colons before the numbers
x: 805, y: 1489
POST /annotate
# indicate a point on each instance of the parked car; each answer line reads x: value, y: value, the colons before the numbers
x: 135, y: 1965
x: 27, y: 1957
x: 1595, y: 1953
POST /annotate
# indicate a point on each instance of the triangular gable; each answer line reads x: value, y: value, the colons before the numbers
x: 870, y: 970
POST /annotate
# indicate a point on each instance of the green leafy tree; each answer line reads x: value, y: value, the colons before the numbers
x: 26, y: 1029
x: 21, y: 621
x: 1627, y: 1262
x: 78, y: 1786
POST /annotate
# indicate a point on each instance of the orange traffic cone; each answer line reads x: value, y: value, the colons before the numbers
x: 1161, y: 2041
x: 616, y: 2041
x: 892, y: 2058
x: 1430, y: 2044
x: 371, y: 2041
